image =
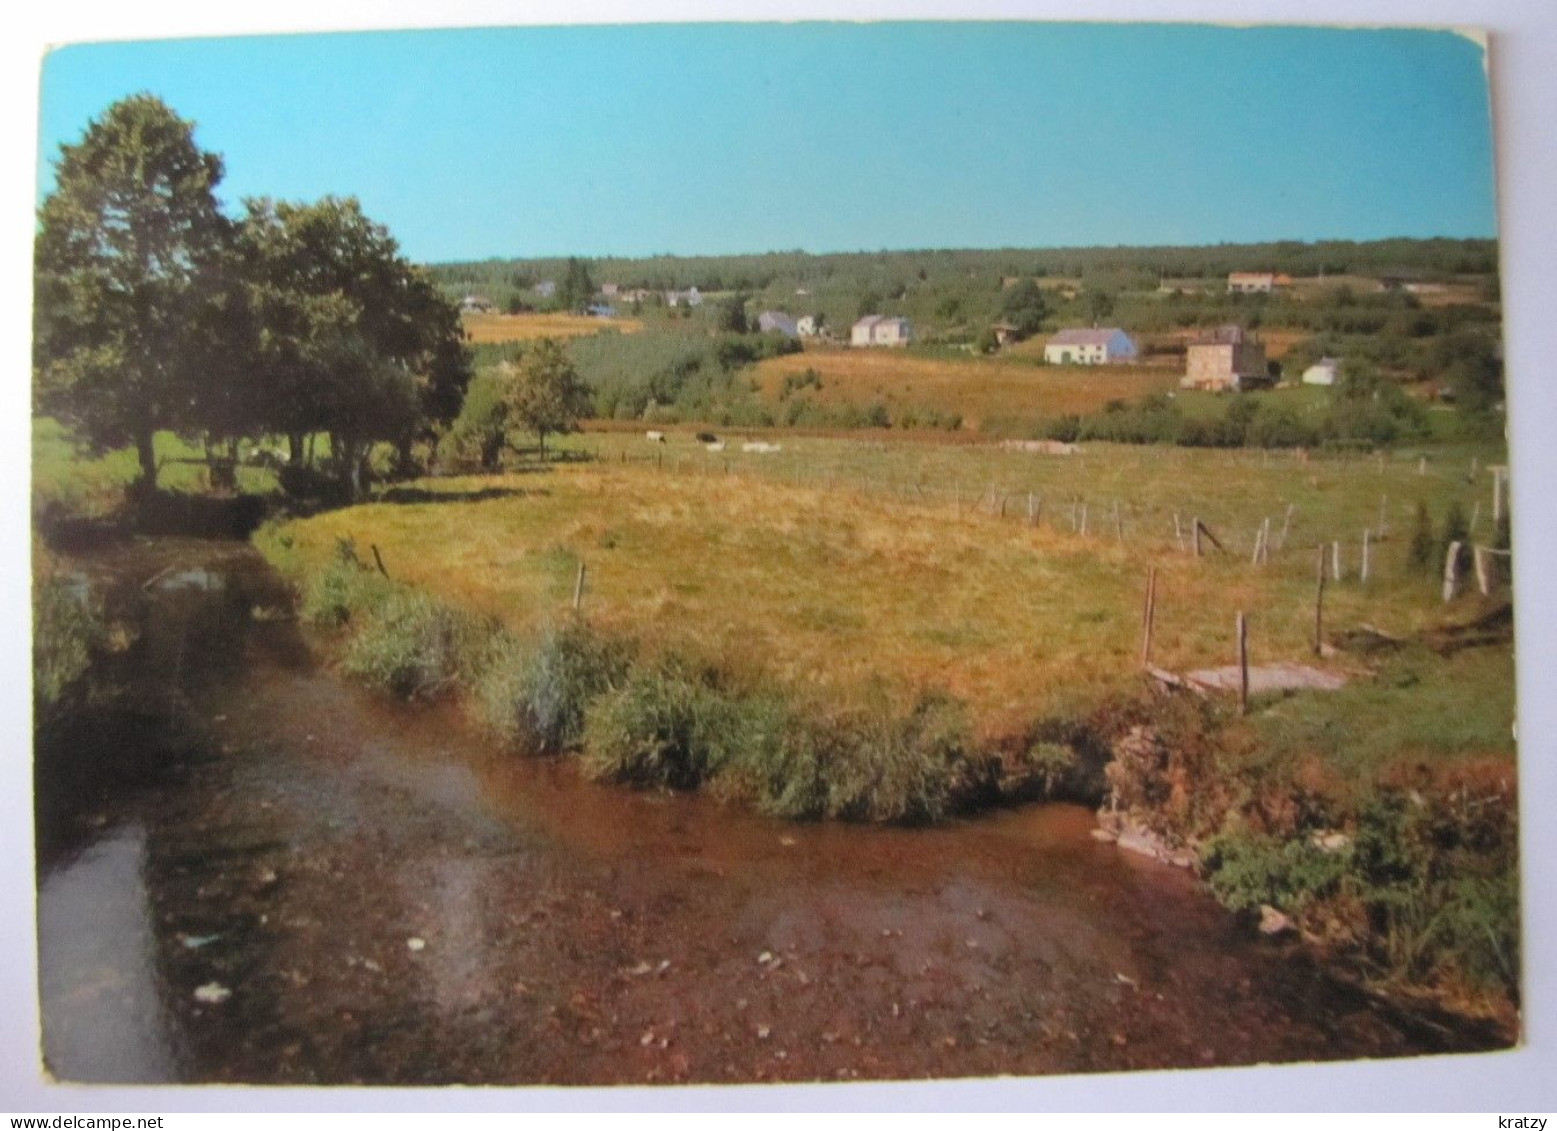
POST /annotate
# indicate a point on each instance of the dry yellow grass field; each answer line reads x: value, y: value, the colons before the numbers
x: 836, y: 590
x: 491, y: 328
x: 980, y: 389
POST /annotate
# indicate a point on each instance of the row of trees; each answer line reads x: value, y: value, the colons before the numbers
x: 154, y: 310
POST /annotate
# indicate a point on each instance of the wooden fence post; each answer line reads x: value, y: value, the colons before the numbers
x: 1032, y: 519
x: 1319, y: 603
x: 1196, y: 535
x: 1483, y: 581
x: 1286, y: 526
x: 1243, y: 664
x: 1367, y: 536
x: 1148, y: 616
x: 1335, y: 561
x: 578, y: 588
x: 1451, y: 572
x: 378, y: 558
x: 1421, y: 466
x: 1083, y: 520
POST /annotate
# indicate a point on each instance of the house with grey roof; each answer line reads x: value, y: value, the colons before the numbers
x: 777, y: 322
x: 1108, y: 346
x: 880, y: 330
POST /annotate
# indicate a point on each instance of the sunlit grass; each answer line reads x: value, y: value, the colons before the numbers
x: 827, y: 568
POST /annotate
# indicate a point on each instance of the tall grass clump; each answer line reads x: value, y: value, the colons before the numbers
x: 415, y: 647
x: 667, y: 725
x: 905, y: 768
x: 536, y: 696
x: 343, y: 589
x: 65, y: 633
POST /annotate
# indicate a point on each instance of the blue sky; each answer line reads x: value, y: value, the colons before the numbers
x: 720, y: 138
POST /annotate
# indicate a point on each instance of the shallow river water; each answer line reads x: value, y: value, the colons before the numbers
x: 251, y: 870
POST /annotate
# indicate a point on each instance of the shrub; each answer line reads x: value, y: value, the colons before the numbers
x: 663, y: 727
x: 342, y: 590
x: 897, y: 768
x: 1246, y: 870
x: 415, y: 647
x: 65, y: 632
x: 537, y: 698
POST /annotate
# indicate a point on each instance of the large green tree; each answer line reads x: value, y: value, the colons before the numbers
x: 547, y: 395
x: 346, y: 336
x: 127, y: 275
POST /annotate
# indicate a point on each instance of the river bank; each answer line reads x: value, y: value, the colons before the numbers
x: 287, y: 879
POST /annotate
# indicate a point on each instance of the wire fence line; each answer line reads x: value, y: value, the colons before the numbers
x: 1259, y: 539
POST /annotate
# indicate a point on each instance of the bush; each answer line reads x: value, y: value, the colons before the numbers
x: 537, y: 699
x: 415, y: 647
x: 897, y: 768
x: 344, y: 588
x: 664, y: 727
x: 1247, y: 870
x: 65, y: 633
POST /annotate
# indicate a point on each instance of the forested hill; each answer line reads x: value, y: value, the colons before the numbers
x: 891, y: 271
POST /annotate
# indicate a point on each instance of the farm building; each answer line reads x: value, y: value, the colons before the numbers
x: 1322, y: 372
x: 880, y: 330
x: 689, y: 297
x: 1251, y: 283
x: 777, y: 322
x: 807, y: 326
x: 475, y: 304
x: 1089, y: 347
x: 1228, y: 357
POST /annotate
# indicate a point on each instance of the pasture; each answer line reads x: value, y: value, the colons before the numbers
x: 840, y: 568
x: 983, y: 391
x: 492, y: 329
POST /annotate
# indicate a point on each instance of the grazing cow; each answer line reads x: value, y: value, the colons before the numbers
x: 655, y: 437
x: 707, y: 438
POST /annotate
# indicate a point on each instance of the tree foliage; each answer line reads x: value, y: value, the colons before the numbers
x: 128, y: 277
x: 577, y: 288
x: 547, y: 396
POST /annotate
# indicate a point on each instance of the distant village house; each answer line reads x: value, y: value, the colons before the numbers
x: 1322, y: 372
x: 1105, y: 346
x: 1228, y: 357
x: 476, y: 304
x: 807, y: 326
x: 777, y: 322
x: 1251, y: 283
x: 688, y: 297
x: 880, y: 330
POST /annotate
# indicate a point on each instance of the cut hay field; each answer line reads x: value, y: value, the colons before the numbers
x: 837, y: 567
x: 489, y: 329
x: 981, y: 390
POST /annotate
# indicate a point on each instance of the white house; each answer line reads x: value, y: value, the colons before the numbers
x: 690, y: 296
x: 806, y: 326
x: 1322, y: 372
x: 880, y: 330
x: 1107, y: 346
x: 1251, y: 282
x: 777, y: 322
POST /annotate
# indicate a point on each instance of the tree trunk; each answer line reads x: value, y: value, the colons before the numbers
x: 146, y: 451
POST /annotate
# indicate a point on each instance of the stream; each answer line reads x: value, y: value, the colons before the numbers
x: 251, y: 870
